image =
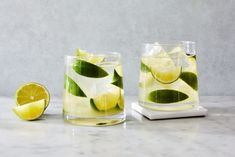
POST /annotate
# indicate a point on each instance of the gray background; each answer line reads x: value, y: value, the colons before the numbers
x: 36, y: 34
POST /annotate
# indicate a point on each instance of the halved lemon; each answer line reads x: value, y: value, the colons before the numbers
x: 32, y: 92
x: 89, y: 57
x: 30, y: 111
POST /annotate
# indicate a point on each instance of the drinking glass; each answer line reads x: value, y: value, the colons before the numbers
x: 168, y: 76
x: 93, y: 90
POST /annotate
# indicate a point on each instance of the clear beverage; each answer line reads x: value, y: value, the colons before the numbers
x: 93, y: 90
x: 168, y: 77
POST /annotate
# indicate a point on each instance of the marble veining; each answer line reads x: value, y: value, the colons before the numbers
x: 138, y: 136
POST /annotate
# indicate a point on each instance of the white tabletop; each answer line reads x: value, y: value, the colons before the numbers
x: 213, y: 135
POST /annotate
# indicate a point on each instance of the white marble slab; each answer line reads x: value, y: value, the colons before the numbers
x: 213, y: 135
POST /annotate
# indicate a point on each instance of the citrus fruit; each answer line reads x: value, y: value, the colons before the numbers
x: 32, y: 92
x: 88, y: 69
x: 89, y: 57
x: 106, y: 100
x: 30, y: 111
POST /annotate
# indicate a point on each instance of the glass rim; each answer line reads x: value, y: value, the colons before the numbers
x: 160, y: 43
x: 108, y: 54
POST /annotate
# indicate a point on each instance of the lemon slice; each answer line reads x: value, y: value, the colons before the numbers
x: 30, y: 111
x: 32, y: 92
x: 107, y: 100
x: 89, y: 57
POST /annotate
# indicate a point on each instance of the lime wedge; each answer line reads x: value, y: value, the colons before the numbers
x: 30, y: 111
x: 190, y: 78
x: 119, y: 70
x: 87, y: 69
x: 89, y: 57
x: 167, y: 96
x: 117, y: 79
x: 121, y: 100
x: 32, y: 92
x: 107, y: 100
x: 163, y: 68
x: 146, y: 79
x: 78, y: 106
x: 144, y: 68
x: 72, y: 87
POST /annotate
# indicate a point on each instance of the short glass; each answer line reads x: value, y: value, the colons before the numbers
x: 93, y: 90
x: 168, y: 76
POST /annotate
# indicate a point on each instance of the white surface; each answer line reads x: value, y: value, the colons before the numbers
x: 194, y: 112
x: 212, y: 136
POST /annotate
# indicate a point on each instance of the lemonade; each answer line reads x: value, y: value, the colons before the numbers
x: 168, y: 77
x: 93, y: 89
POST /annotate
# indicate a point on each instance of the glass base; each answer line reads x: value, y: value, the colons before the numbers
x: 95, y: 121
x: 168, y: 107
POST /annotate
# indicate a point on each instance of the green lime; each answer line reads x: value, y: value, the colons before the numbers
x: 72, y: 87
x: 190, y: 78
x: 117, y: 79
x: 32, y: 92
x: 89, y: 57
x: 166, y: 96
x: 121, y: 100
x: 106, y: 100
x: 87, y: 69
x: 144, y: 68
x: 30, y: 111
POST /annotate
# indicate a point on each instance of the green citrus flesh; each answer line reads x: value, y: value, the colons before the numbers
x: 87, y: 69
x: 107, y: 100
x: 72, y: 87
x: 30, y: 111
x: 89, y: 57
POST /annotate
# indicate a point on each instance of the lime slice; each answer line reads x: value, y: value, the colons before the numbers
x: 89, y: 57
x: 32, y: 92
x: 166, y: 96
x: 121, y: 100
x: 117, y: 79
x: 146, y: 79
x: 72, y: 87
x: 163, y: 68
x: 144, y: 68
x: 30, y: 111
x: 192, y: 65
x: 190, y: 78
x: 119, y: 70
x: 88, y: 69
x: 107, y: 100
x: 80, y: 106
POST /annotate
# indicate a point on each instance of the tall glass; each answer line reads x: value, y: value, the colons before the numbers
x: 93, y: 90
x: 168, y: 76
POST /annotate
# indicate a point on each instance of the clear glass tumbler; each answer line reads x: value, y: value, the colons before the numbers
x: 168, y: 76
x: 93, y: 90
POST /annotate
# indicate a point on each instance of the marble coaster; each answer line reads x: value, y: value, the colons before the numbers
x: 198, y: 111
